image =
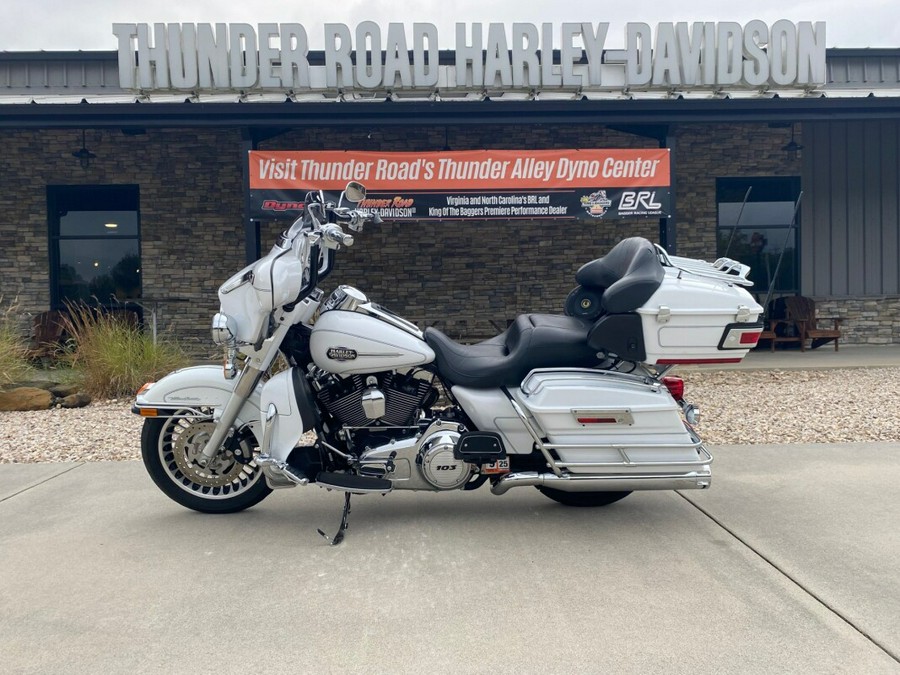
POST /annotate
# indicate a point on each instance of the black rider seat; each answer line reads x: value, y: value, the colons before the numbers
x: 532, y: 341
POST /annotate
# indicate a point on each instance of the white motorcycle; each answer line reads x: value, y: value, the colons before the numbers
x: 577, y: 405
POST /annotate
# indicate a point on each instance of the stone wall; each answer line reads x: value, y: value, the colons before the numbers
x: 190, y: 213
x: 704, y: 153
x: 873, y: 321
x: 467, y: 278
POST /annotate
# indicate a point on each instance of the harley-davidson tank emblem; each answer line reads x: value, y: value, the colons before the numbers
x: 341, y: 354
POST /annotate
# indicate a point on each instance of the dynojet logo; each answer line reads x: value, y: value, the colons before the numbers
x: 275, y: 56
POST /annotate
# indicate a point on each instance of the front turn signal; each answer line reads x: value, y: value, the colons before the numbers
x: 144, y: 388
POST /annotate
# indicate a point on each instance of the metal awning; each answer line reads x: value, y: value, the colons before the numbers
x: 30, y: 113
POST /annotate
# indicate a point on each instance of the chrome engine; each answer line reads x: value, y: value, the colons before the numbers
x: 380, y: 416
x: 421, y: 462
x: 383, y: 399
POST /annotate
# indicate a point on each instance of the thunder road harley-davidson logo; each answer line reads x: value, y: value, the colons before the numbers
x: 341, y: 354
x: 596, y: 203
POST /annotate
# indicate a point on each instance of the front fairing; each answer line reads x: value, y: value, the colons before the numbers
x: 272, y: 281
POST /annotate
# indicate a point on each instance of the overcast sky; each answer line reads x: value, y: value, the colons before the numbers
x: 87, y: 24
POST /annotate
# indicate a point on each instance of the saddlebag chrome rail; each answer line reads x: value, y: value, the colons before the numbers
x: 704, y: 458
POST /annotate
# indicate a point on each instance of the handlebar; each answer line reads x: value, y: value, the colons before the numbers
x: 320, y: 231
x: 335, y: 234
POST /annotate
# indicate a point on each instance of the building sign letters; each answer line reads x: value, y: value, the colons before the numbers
x: 274, y: 57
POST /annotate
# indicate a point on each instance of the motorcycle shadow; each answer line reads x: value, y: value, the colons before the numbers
x: 524, y: 511
x: 451, y: 517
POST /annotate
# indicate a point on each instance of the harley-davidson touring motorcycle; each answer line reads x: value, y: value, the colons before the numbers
x: 578, y: 405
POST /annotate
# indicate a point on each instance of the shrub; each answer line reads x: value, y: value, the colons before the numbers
x: 115, y: 357
x: 14, y: 366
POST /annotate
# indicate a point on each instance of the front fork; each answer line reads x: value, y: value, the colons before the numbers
x: 248, y: 379
x: 253, y: 370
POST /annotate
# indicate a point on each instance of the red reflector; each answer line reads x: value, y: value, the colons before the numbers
x: 750, y: 338
x: 596, y: 420
x: 675, y: 385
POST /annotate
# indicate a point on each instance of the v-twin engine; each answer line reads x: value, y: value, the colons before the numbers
x: 403, y: 397
x: 421, y: 462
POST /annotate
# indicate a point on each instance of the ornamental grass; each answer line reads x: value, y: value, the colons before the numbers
x: 114, y: 355
x: 14, y: 365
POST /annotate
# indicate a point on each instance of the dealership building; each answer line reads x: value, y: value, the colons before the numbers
x: 127, y: 173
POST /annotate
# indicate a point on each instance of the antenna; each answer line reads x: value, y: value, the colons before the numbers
x: 781, y: 256
x: 738, y: 221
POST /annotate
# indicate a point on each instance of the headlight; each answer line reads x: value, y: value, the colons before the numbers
x: 224, y: 330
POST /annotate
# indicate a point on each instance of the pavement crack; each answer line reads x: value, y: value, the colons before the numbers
x: 41, y: 482
x: 815, y: 596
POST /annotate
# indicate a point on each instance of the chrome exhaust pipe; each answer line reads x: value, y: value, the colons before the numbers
x: 694, y: 480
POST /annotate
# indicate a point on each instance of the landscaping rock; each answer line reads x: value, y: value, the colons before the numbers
x: 25, y: 398
x: 63, y: 390
x: 77, y: 400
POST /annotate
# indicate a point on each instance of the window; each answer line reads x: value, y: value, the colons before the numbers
x: 95, y: 252
x: 760, y: 233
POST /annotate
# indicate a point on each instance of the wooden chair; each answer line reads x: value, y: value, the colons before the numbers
x: 47, y: 333
x: 779, y: 329
x: 802, y: 310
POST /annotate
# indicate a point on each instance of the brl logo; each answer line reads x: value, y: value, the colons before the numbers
x: 644, y: 199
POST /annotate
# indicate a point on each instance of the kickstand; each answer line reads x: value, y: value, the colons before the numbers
x: 339, y: 537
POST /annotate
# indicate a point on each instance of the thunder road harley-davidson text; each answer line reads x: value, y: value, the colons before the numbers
x: 577, y: 405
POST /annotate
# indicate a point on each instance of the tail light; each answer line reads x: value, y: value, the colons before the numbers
x: 740, y: 335
x: 675, y: 385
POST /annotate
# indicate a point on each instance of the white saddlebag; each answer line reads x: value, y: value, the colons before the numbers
x: 608, y: 422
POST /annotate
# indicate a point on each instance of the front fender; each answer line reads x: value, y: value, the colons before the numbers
x: 195, y: 387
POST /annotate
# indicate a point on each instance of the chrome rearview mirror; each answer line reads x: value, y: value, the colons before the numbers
x: 355, y: 192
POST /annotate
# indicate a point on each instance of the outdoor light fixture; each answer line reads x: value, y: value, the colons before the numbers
x: 84, y: 155
x: 793, y: 148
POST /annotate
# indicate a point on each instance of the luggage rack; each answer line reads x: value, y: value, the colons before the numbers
x: 724, y: 269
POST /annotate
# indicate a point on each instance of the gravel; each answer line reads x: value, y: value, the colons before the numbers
x: 737, y: 407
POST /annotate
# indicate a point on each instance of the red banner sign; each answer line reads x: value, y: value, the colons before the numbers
x: 504, y: 183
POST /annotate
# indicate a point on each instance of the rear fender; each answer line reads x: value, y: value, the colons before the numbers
x: 197, y: 387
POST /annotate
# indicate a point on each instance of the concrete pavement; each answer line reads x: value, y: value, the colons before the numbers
x: 788, y: 564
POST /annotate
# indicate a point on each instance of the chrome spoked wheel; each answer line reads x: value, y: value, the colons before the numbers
x: 230, y: 472
x: 230, y: 482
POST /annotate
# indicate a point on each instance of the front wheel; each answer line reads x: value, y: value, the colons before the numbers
x: 232, y: 481
x: 582, y: 498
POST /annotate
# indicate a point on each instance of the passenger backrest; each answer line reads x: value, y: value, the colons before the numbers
x: 629, y: 274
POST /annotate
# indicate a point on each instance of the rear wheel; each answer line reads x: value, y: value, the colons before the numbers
x: 232, y: 481
x: 583, y: 498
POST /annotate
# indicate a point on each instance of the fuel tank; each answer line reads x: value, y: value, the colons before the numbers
x: 367, y: 340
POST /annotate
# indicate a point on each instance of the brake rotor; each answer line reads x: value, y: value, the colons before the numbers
x: 187, y: 444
